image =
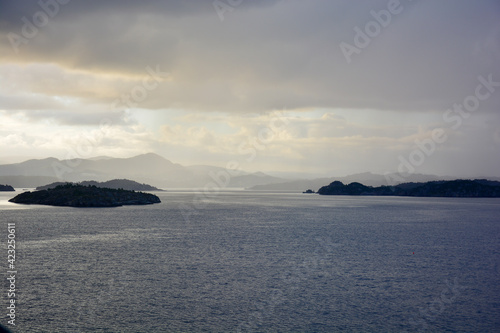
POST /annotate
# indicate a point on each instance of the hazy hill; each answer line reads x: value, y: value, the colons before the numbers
x: 147, y: 168
x: 41, y: 167
x: 235, y: 178
x: 160, y: 172
x: 26, y: 181
x: 150, y: 166
x: 203, y: 170
x: 451, y: 188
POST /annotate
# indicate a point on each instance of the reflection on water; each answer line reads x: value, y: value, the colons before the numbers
x: 5, y: 204
x: 260, y: 262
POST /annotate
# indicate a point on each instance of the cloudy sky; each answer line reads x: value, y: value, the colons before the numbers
x: 319, y: 87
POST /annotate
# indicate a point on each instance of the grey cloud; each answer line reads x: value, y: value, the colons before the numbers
x: 280, y: 54
x: 79, y: 118
x: 12, y: 11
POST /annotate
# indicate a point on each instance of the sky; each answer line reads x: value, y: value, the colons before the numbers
x: 317, y: 87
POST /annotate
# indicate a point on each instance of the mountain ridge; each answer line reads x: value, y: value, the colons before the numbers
x: 149, y: 168
x: 116, y: 184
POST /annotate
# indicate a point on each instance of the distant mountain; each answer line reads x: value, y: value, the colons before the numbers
x: 76, y: 169
x: 367, y: 178
x: 254, y: 179
x: 147, y: 168
x: 14, y: 159
x: 232, y: 178
x: 43, y: 167
x: 203, y: 170
x: 453, y: 188
x: 155, y: 170
x: 124, y: 184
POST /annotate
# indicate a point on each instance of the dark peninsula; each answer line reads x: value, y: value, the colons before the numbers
x: 85, y: 196
x: 124, y: 184
x: 478, y: 188
x: 6, y: 188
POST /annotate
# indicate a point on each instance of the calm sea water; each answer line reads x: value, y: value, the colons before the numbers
x: 258, y: 262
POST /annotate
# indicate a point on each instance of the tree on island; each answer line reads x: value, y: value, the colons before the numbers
x: 85, y: 196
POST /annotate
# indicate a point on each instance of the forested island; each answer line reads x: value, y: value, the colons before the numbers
x: 73, y: 195
x: 6, y: 188
x: 454, y: 188
x: 124, y: 184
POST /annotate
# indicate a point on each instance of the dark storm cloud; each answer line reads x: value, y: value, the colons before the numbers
x: 275, y: 54
x: 11, y: 10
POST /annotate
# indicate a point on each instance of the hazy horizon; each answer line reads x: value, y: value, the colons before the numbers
x: 276, y: 173
x: 314, y: 88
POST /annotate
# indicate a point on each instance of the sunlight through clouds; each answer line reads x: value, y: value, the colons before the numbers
x: 174, y: 79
